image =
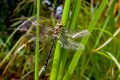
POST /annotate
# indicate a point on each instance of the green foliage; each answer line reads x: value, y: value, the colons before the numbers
x: 98, y: 61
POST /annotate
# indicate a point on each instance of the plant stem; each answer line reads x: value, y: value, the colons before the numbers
x: 37, y: 42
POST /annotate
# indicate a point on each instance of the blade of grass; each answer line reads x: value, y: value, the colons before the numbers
x: 75, y: 13
x: 105, y: 31
x: 114, y: 35
x: 103, y: 54
x: 9, y: 53
x: 10, y: 37
x: 110, y: 15
x: 63, y: 59
x: 111, y: 57
x: 56, y: 62
x: 37, y: 42
x: 65, y: 12
x: 73, y: 23
x: 84, y: 40
x: 56, y: 73
x: 64, y: 52
x: 14, y: 47
x: 109, y: 40
x: 15, y: 55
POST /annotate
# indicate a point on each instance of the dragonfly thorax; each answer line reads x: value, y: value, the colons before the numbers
x: 57, y: 29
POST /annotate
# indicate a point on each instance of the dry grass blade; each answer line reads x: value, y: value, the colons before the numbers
x: 109, y: 40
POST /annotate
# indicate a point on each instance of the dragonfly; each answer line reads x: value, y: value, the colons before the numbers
x: 65, y: 38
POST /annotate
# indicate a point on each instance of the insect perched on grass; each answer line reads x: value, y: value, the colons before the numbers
x: 65, y: 38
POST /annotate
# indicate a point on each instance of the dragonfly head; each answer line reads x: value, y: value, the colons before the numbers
x: 58, y: 25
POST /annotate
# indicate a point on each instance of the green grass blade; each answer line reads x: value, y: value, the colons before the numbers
x: 103, y: 54
x: 65, y: 12
x: 104, y: 31
x: 37, y: 42
x: 111, y: 57
x: 56, y: 62
x: 64, y: 52
x: 109, y: 40
x: 75, y: 14
x: 110, y: 15
x: 54, y: 72
x: 11, y: 36
x: 84, y: 40
x: 114, y: 59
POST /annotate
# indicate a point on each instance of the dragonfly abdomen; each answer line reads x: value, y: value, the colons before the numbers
x: 49, y: 52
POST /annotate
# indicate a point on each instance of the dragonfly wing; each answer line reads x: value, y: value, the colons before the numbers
x: 75, y: 45
x: 70, y: 44
x: 64, y: 43
x: 79, y: 34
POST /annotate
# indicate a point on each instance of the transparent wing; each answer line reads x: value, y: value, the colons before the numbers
x: 42, y: 26
x: 78, y: 34
x: 70, y: 44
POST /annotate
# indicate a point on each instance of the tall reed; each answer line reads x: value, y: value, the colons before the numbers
x: 37, y: 42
